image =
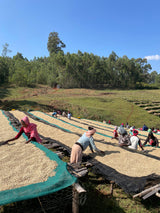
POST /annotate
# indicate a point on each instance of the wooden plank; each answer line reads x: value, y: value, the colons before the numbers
x: 151, y: 193
x: 158, y: 194
x: 146, y: 191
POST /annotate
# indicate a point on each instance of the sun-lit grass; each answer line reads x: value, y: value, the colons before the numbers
x: 115, y: 105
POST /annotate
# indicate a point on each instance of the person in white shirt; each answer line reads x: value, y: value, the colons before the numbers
x: 135, y: 140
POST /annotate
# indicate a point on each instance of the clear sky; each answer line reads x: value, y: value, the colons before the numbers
x: 127, y: 27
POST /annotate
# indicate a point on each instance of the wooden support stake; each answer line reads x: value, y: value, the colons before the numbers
x: 111, y: 188
x: 77, y: 189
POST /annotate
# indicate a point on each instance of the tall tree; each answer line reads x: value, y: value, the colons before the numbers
x: 54, y: 44
x: 5, y: 50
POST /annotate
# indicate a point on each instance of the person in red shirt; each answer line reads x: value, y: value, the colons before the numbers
x: 115, y: 133
x: 30, y: 131
x: 109, y: 122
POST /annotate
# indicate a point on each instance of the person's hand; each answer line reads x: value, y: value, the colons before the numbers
x: 103, y: 153
x: 5, y: 142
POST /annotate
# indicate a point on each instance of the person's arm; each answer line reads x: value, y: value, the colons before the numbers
x: 29, y: 140
x: 147, y: 139
x: 93, y: 146
x: 16, y: 137
x: 157, y: 143
x: 5, y: 142
x: 140, y: 144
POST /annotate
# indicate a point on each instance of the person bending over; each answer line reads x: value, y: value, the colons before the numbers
x: 83, y: 142
x: 30, y: 131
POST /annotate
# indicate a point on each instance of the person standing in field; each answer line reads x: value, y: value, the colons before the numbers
x: 83, y: 142
x: 30, y: 131
x: 69, y: 115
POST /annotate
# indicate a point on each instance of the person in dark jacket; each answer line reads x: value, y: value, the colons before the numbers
x: 144, y: 128
x: 153, y: 141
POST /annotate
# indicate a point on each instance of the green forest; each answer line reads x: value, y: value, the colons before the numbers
x: 80, y: 70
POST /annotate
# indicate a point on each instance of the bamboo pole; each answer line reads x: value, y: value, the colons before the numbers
x: 146, y: 191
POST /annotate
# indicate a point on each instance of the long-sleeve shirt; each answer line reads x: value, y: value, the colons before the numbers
x: 154, y: 139
x: 85, y: 141
x: 21, y: 131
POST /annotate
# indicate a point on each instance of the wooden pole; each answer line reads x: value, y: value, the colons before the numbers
x: 75, y: 200
x: 146, y: 191
x: 111, y: 188
x: 77, y: 189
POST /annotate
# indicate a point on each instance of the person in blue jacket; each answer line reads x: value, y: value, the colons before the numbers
x: 144, y: 128
x: 83, y: 142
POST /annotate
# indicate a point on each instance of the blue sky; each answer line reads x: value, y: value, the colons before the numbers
x: 127, y: 27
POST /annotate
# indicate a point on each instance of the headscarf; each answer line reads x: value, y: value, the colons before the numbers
x: 131, y: 129
x: 89, y: 133
x: 115, y: 128
x: 31, y: 129
x: 135, y: 132
x: 122, y: 131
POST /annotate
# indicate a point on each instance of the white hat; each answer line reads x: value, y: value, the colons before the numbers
x: 131, y: 129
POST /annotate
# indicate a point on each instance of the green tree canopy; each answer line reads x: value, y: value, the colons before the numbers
x: 54, y: 44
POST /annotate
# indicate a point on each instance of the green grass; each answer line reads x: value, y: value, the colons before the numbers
x: 115, y: 105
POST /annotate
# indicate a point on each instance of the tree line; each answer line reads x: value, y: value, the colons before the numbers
x: 76, y: 70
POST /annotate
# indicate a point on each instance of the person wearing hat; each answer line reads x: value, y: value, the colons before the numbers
x: 131, y: 131
x: 83, y: 142
x: 135, y: 140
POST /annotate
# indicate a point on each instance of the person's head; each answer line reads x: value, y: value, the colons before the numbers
x: 131, y: 129
x: 25, y: 121
x: 150, y: 135
x: 135, y: 132
x: 91, y: 130
x: 115, y: 128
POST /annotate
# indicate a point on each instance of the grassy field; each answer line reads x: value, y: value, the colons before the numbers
x: 115, y: 105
